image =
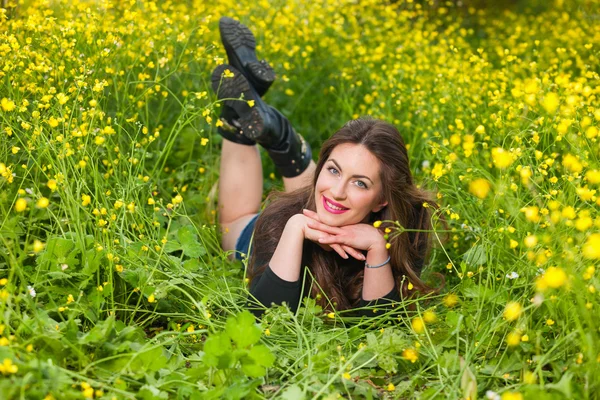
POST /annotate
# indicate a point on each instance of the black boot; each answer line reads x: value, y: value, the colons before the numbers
x: 240, y: 45
x: 230, y: 129
x: 262, y: 123
x: 292, y: 154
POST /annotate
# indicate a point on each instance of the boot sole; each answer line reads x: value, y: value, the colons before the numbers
x: 250, y: 118
x: 240, y: 45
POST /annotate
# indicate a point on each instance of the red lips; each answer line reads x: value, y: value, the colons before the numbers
x: 332, y: 210
x: 335, y: 204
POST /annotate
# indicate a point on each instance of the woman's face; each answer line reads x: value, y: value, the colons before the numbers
x: 348, y: 187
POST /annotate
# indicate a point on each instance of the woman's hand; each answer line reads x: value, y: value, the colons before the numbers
x: 314, y: 234
x: 357, y: 236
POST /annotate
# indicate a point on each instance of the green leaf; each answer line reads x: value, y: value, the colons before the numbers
x: 59, y: 247
x: 564, y: 385
x: 152, y: 359
x: 476, y: 255
x: 93, y: 259
x: 217, y: 351
x: 254, y: 370
x: 372, y: 340
x: 59, y: 251
x: 172, y: 246
x: 241, y: 389
x: 99, y: 333
x: 192, y: 265
x: 293, y: 393
x: 242, y: 329
x: 468, y: 381
x: 189, y: 242
x: 148, y: 392
x: 262, y: 355
x: 452, y: 319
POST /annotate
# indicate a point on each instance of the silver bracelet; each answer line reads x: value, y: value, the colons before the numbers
x: 380, y: 265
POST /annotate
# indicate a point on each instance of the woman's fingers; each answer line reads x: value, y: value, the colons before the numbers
x: 332, y: 239
x: 311, y: 214
x: 338, y: 249
x: 354, y: 253
x: 324, y: 228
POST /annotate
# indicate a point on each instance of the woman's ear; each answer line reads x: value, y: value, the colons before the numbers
x: 380, y: 207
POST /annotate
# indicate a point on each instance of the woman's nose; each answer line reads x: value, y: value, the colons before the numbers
x: 338, y: 191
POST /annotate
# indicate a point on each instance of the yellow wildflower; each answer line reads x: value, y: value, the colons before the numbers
x: 38, y: 246
x: 530, y: 241
x: 20, y: 205
x: 410, y: 355
x: 512, y: 396
x: 450, y: 300
x: 554, y: 277
x: 591, y: 248
x: 418, y: 324
x: 429, y: 316
x: 7, y: 367
x: 513, y: 339
x: 550, y: 103
x: 501, y: 157
x: 42, y: 202
x: 512, y: 311
x: 85, y: 200
x: 480, y: 187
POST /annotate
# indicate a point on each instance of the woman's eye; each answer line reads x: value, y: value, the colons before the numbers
x: 333, y: 170
x: 361, y: 184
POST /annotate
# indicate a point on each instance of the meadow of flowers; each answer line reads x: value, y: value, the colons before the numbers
x: 112, y: 281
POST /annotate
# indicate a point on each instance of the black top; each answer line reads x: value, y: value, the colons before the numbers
x: 268, y: 288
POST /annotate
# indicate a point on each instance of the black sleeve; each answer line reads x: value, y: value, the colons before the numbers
x: 380, y: 305
x: 269, y: 288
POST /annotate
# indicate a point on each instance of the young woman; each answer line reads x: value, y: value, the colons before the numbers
x: 323, y: 222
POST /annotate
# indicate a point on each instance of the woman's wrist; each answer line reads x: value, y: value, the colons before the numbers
x: 377, y: 281
x: 285, y: 262
x: 378, y: 248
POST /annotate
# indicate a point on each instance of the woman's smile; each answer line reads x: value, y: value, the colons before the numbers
x: 333, y: 207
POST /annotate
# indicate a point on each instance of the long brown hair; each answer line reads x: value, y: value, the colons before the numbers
x: 341, y: 280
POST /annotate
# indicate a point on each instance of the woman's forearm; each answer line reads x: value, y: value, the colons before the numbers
x: 377, y: 281
x: 287, y: 257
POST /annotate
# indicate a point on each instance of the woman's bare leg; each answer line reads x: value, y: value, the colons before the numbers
x: 240, y: 190
x: 302, y: 180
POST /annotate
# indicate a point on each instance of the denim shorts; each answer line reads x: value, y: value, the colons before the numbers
x: 243, y: 243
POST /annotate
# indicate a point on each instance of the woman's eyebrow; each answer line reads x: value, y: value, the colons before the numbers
x: 354, y: 176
